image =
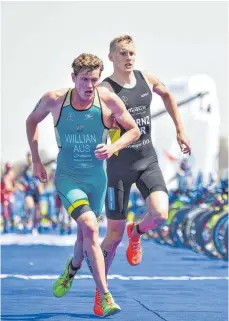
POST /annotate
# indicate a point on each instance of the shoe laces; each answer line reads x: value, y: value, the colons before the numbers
x: 136, y: 246
x: 108, y: 300
x: 64, y: 283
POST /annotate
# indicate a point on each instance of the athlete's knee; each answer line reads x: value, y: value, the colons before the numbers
x: 114, y: 238
x: 115, y: 233
x: 90, y: 229
x: 158, y: 204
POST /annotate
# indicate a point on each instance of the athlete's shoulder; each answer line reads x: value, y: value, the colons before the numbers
x: 157, y: 85
x: 106, y: 84
x: 151, y: 78
x: 147, y: 75
x: 110, y: 99
x: 54, y: 96
x: 106, y: 94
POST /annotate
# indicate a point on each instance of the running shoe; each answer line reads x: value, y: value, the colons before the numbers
x: 64, y: 283
x: 109, y: 306
x: 134, y: 250
x: 98, y: 309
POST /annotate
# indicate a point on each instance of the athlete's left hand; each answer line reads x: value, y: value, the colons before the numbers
x: 104, y: 151
x: 184, y: 143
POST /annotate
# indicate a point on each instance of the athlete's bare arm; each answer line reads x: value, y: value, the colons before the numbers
x: 48, y: 103
x: 159, y: 88
x: 105, y: 84
x: 41, y: 111
x: 123, y: 117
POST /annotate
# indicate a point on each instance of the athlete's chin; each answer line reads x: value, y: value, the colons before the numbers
x: 87, y: 97
x: 128, y: 69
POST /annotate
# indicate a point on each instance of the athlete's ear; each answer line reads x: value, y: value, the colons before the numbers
x: 73, y: 77
x: 110, y: 57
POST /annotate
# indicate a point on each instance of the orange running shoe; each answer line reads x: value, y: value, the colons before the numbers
x: 134, y: 250
x: 98, y: 309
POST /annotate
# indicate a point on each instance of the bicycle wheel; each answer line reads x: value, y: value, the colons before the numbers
x: 176, y: 226
x: 194, y: 226
x: 204, y: 234
x: 189, y: 223
x: 219, y: 235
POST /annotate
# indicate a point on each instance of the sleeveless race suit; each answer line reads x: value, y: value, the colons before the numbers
x: 81, y: 178
x: 138, y: 162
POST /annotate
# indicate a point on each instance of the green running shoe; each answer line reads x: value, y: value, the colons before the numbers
x: 64, y: 283
x: 109, y: 306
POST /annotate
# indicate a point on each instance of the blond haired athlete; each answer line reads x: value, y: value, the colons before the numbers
x: 81, y: 118
x: 138, y: 162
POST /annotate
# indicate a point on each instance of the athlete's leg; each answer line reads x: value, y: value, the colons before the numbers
x: 158, y: 206
x: 115, y: 231
x: 73, y: 199
x: 87, y: 244
x: 117, y: 197
x: 37, y: 211
x: 78, y: 255
x: 92, y: 250
x: 77, y: 203
x: 97, y: 201
x: 94, y: 256
x: 29, y: 211
x: 152, y: 187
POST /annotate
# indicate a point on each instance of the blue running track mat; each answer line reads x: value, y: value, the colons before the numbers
x: 171, y: 284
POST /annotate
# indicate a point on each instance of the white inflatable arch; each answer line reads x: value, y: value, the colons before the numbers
x: 199, y: 109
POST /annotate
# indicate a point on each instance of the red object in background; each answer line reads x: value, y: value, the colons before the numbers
x: 5, y: 194
x: 58, y: 201
x: 5, y: 201
x: 170, y: 157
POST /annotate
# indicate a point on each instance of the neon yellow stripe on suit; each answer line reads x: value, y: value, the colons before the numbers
x: 114, y: 135
x: 77, y: 204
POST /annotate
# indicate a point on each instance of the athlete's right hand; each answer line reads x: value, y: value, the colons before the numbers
x: 39, y: 171
x: 104, y: 151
